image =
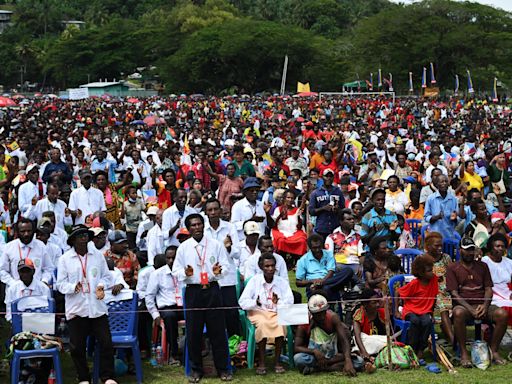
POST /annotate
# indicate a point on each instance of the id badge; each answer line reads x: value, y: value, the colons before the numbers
x: 85, y: 286
x: 179, y: 301
x: 204, y: 278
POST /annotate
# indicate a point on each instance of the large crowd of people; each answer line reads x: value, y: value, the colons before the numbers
x: 218, y: 202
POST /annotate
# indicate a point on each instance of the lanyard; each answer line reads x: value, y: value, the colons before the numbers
x: 21, y: 254
x: 84, y: 265
x: 202, y: 259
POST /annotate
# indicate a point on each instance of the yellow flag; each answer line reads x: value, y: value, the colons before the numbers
x: 303, y: 87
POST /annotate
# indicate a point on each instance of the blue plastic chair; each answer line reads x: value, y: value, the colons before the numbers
x: 188, y: 368
x: 407, y: 255
x: 415, y: 226
x: 404, y: 325
x: 122, y: 318
x: 424, y: 229
x: 17, y: 327
x: 451, y: 247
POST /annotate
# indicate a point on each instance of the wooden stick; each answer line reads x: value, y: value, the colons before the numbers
x: 387, y: 319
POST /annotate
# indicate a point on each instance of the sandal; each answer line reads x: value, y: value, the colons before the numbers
x: 226, y: 376
x: 194, y: 378
x: 261, y: 371
x: 279, y: 369
x: 498, y: 361
x: 466, y: 364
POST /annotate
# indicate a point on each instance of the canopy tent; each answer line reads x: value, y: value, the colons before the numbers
x: 356, y: 84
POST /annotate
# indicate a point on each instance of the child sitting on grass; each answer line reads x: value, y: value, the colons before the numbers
x: 418, y: 298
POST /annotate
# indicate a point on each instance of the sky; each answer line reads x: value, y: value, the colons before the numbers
x: 503, y: 4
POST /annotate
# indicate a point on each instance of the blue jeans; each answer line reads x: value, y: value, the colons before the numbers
x: 334, y: 284
x: 303, y: 360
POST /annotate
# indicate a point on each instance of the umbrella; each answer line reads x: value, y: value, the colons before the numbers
x: 307, y: 94
x: 6, y: 102
x: 52, y: 96
x: 132, y: 100
x: 137, y: 122
x: 18, y: 96
x: 197, y: 96
x: 299, y: 119
x: 38, y: 94
x: 153, y: 120
x: 52, y: 107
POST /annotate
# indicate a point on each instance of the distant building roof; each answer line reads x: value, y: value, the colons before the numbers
x: 73, y: 22
x: 6, y: 12
x: 100, y: 84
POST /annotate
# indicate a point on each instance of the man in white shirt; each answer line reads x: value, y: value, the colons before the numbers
x: 141, y: 239
x: 433, y: 157
x: 249, y: 208
x: 200, y: 263
x: 83, y: 276
x: 249, y: 246
x: 155, y: 238
x: 225, y: 233
x: 174, y: 217
x: 30, y: 191
x: 86, y: 200
x: 51, y: 203
x: 25, y: 246
x: 265, y: 245
x: 58, y: 236
x: 25, y: 286
x: 164, y: 301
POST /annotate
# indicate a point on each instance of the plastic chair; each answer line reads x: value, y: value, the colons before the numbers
x: 122, y: 318
x: 415, y: 226
x: 17, y: 327
x: 188, y: 368
x: 404, y: 325
x: 251, y: 345
x: 451, y: 247
x: 424, y: 229
x: 241, y: 312
x: 407, y: 255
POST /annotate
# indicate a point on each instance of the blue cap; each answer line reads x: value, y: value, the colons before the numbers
x: 251, y: 182
x: 409, y: 179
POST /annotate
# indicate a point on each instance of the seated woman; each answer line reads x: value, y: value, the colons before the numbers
x: 261, y: 296
x: 418, y: 298
x: 469, y: 176
x: 288, y: 235
x: 434, y: 249
x: 501, y: 272
x: 369, y: 325
x: 376, y: 265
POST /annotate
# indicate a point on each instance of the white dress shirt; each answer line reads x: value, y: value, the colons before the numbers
x: 141, y: 241
x: 59, y: 237
x: 397, y: 202
x: 242, y: 211
x: 142, y: 280
x: 118, y: 278
x: 257, y: 287
x: 35, y: 212
x: 169, y: 219
x: 164, y: 290
x: 26, y: 193
x: 201, y: 257
x: 245, y: 254
x: 428, y: 172
x: 70, y: 273
x: 220, y: 234
x: 155, y: 243
x: 252, y: 268
x: 18, y: 290
x: 88, y: 201
x: 36, y: 251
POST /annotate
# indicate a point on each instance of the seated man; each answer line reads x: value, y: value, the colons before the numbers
x: 317, y: 270
x: 324, y: 343
x: 470, y: 284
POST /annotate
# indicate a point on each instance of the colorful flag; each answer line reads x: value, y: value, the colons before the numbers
x: 390, y: 82
x: 186, y: 146
x: 411, y: 89
x: 424, y: 78
x: 495, y: 90
x: 450, y: 157
x: 357, y: 149
x: 469, y: 148
x: 470, y: 83
x: 379, y: 80
x: 371, y: 81
x: 427, y: 145
x: 432, y: 75
x: 456, y: 85
x: 303, y: 87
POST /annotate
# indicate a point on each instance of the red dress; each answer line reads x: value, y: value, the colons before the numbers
x: 286, y: 235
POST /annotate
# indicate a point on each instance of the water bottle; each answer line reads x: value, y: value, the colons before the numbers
x: 153, y: 360
x: 51, y: 377
x: 63, y: 333
x: 37, y: 344
x: 159, y: 356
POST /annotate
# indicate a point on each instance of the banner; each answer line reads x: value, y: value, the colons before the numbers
x: 432, y: 76
x: 431, y: 92
x: 379, y: 79
x: 424, y: 78
x: 411, y: 89
x: 78, y: 93
x: 470, y: 83
x: 301, y: 87
x: 456, y: 85
x: 495, y: 90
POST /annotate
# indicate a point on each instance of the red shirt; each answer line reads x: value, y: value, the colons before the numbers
x: 418, y: 298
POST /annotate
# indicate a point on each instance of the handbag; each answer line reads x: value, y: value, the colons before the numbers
x: 499, y: 187
x: 402, y: 357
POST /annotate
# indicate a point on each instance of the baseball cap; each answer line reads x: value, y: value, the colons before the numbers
x: 182, y: 233
x: 117, y: 237
x: 296, y: 148
x: 43, y: 221
x: 317, y: 303
x: 326, y: 171
x: 497, y: 216
x: 97, y: 230
x: 26, y: 263
x: 30, y: 167
x: 251, y: 182
x: 85, y: 173
x: 376, y: 190
x: 467, y: 243
x: 251, y: 228
x: 152, y: 210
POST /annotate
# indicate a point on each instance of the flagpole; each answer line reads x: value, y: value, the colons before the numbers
x: 283, y: 79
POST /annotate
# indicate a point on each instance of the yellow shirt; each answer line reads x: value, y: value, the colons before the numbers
x: 474, y: 181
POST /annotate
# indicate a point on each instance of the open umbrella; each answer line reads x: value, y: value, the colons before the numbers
x: 51, y: 106
x: 52, y: 96
x: 153, y: 120
x: 132, y: 100
x: 137, y: 122
x: 6, y: 102
x: 18, y: 96
x: 307, y: 94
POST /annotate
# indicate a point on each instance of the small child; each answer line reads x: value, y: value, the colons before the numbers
x: 132, y: 212
x: 418, y: 303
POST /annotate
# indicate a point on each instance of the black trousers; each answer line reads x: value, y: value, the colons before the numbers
x: 419, y: 330
x: 171, y: 319
x: 231, y: 315
x: 132, y: 240
x: 79, y: 329
x: 196, y: 297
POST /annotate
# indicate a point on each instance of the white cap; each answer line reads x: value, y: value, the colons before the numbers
x: 30, y: 167
x: 252, y: 227
x: 152, y: 210
x: 317, y: 303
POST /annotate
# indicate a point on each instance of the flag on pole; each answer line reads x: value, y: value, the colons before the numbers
x: 379, y: 80
x: 432, y: 75
x: 456, y: 85
x: 303, y: 87
x: 411, y: 89
x: 371, y: 81
x: 186, y: 146
x: 495, y: 90
x: 470, y: 83
x: 424, y: 78
x: 390, y: 83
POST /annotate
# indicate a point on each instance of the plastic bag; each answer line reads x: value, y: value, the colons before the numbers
x: 480, y: 356
x: 402, y: 357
